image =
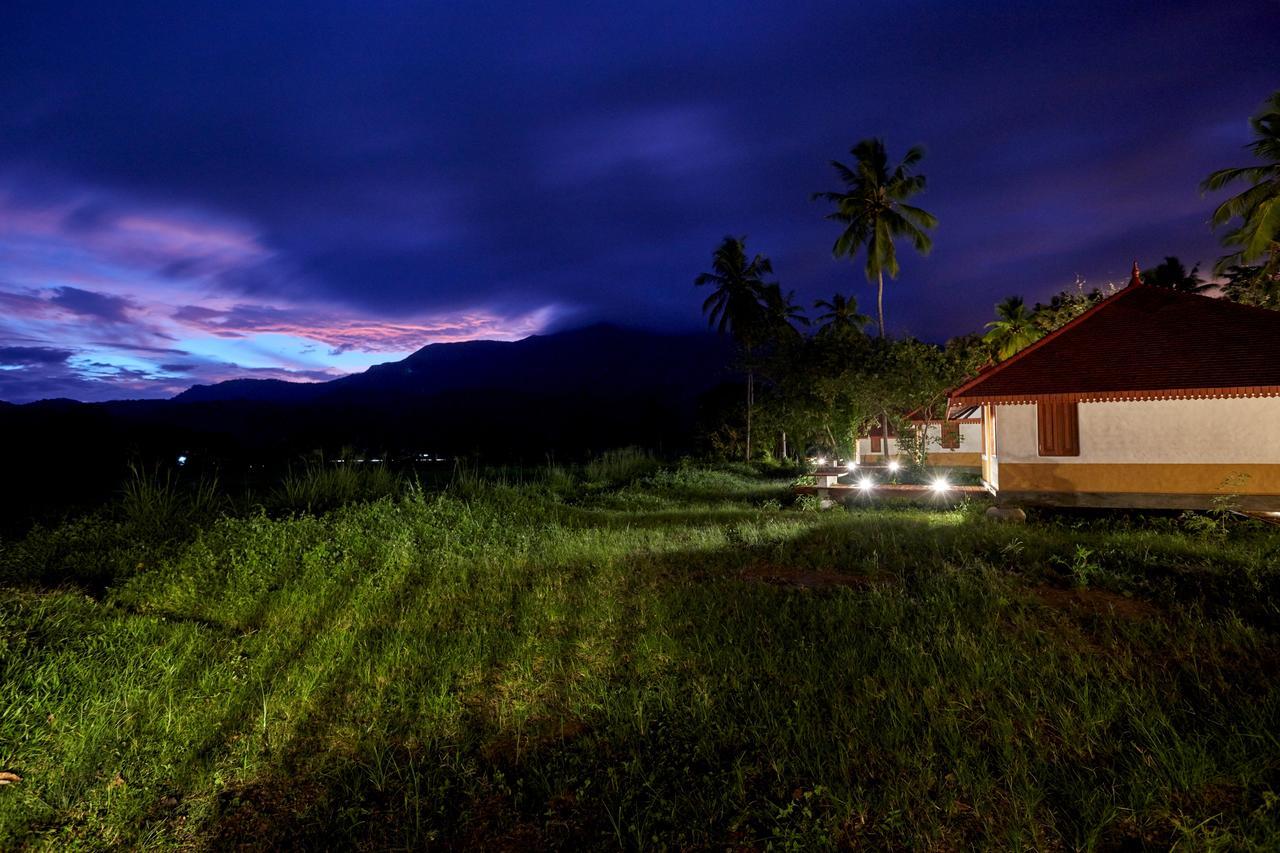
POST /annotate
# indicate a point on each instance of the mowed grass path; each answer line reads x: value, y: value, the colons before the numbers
x: 678, y: 662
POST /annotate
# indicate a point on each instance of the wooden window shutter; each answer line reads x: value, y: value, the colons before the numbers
x: 950, y: 435
x: 1059, y: 427
x: 875, y: 444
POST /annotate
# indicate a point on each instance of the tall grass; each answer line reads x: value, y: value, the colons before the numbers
x: 155, y: 504
x: 623, y: 465
x: 319, y: 486
x: 677, y: 662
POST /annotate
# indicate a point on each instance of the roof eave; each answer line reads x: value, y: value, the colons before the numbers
x: 1114, y: 396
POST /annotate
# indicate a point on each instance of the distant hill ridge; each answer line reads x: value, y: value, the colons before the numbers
x: 602, y: 360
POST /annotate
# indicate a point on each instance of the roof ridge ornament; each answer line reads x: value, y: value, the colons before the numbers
x: 1136, y: 279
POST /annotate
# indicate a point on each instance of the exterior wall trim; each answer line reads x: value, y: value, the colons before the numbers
x: 1104, y: 396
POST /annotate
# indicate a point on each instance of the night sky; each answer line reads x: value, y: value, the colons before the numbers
x: 301, y: 190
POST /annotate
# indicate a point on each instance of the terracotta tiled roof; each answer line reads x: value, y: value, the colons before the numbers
x: 1144, y: 342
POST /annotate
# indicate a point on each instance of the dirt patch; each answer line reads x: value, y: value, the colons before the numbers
x: 808, y: 578
x: 1096, y: 602
x: 271, y: 814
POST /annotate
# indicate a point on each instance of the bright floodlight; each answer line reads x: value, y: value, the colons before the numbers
x: 866, y: 483
x: 851, y: 465
x: 822, y: 460
x: 182, y: 460
x: 894, y: 465
x: 940, y: 484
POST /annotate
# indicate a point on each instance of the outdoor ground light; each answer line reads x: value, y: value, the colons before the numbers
x: 940, y: 484
x: 851, y: 465
x: 866, y: 483
x: 822, y: 460
x: 894, y: 465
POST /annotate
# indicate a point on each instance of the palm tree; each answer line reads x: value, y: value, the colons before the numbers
x: 781, y: 314
x: 1013, y: 329
x: 737, y: 305
x: 1173, y: 275
x: 841, y: 318
x: 1258, y: 207
x: 873, y: 209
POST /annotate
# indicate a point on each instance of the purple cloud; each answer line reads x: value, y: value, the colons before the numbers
x: 28, y: 356
x: 86, y: 303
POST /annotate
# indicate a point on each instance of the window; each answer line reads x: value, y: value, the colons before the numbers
x: 1059, y: 427
x: 950, y: 435
x: 875, y: 443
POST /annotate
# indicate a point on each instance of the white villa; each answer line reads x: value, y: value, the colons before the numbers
x: 952, y: 443
x: 1152, y: 398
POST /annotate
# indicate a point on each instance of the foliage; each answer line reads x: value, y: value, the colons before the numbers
x: 1173, y: 275
x: 1013, y: 329
x: 873, y: 211
x: 840, y: 317
x: 1253, y: 215
x: 735, y: 306
x: 829, y: 390
x: 1065, y: 305
x: 1252, y: 285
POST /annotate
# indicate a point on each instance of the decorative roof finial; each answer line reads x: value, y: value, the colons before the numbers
x: 1136, y: 280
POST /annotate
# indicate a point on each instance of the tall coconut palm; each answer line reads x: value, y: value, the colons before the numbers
x: 1013, y: 329
x: 737, y: 305
x: 781, y: 314
x: 841, y: 317
x: 873, y: 209
x: 1257, y: 238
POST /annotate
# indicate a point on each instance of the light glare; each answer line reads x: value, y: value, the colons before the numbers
x: 940, y: 484
x: 866, y: 483
x: 894, y: 465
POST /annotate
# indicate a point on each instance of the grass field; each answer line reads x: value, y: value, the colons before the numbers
x: 679, y: 657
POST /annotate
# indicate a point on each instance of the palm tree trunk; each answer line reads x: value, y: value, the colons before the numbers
x: 751, y: 387
x: 880, y: 301
x: 784, y: 445
x: 884, y: 435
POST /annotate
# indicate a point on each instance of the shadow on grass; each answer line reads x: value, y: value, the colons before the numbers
x: 942, y: 707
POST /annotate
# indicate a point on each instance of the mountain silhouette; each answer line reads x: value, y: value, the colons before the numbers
x: 601, y: 360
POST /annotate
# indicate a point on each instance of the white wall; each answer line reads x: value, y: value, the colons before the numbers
x: 1245, y: 429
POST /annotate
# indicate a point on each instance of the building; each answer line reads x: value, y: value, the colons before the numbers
x: 1152, y: 398
x: 952, y: 443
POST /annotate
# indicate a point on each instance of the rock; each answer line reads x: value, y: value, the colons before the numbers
x: 1007, y: 514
